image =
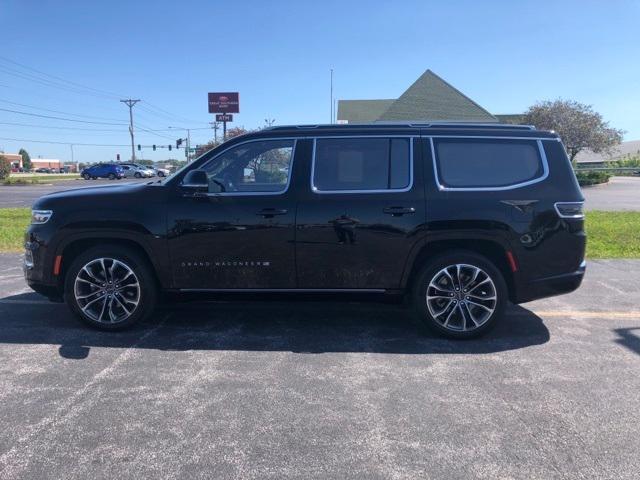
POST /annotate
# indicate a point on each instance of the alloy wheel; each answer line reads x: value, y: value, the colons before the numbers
x: 107, y: 290
x: 461, y: 297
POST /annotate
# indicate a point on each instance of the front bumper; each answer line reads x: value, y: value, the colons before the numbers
x: 552, y: 286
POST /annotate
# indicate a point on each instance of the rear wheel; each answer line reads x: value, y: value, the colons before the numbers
x: 459, y: 294
x: 110, y: 288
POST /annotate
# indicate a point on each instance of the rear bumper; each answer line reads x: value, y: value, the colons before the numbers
x: 552, y: 286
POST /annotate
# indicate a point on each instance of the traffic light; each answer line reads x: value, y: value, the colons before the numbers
x: 169, y: 147
x: 178, y: 143
x: 139, y: 147
x: 118, y: 157
x: 154, y: 148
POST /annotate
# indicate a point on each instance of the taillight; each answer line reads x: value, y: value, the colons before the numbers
x: 570, y: 209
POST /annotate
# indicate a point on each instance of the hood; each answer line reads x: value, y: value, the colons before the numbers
x: 81, y: 195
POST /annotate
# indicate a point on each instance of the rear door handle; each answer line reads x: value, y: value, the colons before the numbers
x: 272, y: 212
x: 398, y: 211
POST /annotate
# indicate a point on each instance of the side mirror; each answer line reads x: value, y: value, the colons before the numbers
x: 196, y: 180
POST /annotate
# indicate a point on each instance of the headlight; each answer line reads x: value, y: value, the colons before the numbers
x: 39, y: 217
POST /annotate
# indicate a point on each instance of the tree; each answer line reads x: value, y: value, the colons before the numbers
x: 5, y: 168
x: 26, y: 159
x: 578, y: 125
x: 236, y: 132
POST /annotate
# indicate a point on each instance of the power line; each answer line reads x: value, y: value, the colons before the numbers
x: 58, y: 118
x: 57, y: 111
x: 64, y: 143
x: 5, y: 59
x: 62, y: 128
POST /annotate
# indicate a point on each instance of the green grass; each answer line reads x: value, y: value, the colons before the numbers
x: 613, y: 234
x: 609, y: 234
x: 28, y: 179
x: 13, y: 223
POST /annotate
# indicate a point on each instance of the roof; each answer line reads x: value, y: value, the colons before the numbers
x: 431, y: 98
x: 513, y: 118
x: 625, y: 149
x: 362, y: 111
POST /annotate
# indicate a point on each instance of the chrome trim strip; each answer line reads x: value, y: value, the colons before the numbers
x: 284, y: 290
x: 314, y: 189
x: 492, y: 137
x: 441, y: 187
x: 248, y: 194
x: 555, y: 206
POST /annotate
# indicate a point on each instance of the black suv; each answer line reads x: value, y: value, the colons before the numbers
x: 456, y: 218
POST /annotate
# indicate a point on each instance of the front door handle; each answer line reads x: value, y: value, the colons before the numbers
x: 272, y: 212
x: 398, y: 211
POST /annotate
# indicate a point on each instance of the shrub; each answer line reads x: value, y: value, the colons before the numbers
x: 5, y: 168
x: 592, y: 177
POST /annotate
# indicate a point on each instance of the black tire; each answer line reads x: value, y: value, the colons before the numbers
x: 146, y: 299
x: 86, y: 176
x: 453, y: 322
x: 161, y: 174
x: 94, y: 178
x: 137, y: 175
x: 112, y: 176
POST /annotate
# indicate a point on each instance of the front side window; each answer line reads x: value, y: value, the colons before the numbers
x: 361, y: 164
x: 490, y: 163
x: 252, y: 167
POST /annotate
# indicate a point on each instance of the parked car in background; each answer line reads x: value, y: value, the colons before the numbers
x: 137, y: 171
x: 459, y: 219
x: 42, y: 170
x: 103, y: 170
x: 162, y: 172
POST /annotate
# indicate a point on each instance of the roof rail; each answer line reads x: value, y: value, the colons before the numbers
x: 469, y: 125
x: 507, y: 126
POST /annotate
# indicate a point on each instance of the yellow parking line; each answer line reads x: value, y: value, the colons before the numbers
x: 586, y: 314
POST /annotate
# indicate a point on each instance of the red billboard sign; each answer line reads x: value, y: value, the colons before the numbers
x: 224, y: 102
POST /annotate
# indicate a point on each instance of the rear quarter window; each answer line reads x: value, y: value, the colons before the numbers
x: 487, y: 163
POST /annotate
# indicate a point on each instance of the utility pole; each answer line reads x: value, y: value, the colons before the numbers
x: 188, y: 144
x: 331, y: 121
x: 130, y: 103
x: 215, y: 126
x: 268, y: 122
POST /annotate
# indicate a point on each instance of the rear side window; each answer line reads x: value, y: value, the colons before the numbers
x: 361, y: 164
x: 490, y: 163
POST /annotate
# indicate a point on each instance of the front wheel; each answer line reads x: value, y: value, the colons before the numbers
x: 137, y: 175
x: 86, y: 176
x: 112, y: 176
x: 459, y: 294
x: 110, y: 288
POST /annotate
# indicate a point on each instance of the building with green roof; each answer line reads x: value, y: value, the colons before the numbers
x: 430, y: 98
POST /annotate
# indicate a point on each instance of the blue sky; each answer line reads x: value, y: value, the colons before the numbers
x: 505, y: 55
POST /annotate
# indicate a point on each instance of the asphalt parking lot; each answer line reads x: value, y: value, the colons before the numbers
x: 622, y: 193
x: 323, y: 390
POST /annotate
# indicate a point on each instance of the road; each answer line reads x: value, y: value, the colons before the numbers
x: 323, y: 390
x: 623, y: 193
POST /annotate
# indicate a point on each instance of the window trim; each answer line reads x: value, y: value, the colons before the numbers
x: 543, y: 158
x: 315, y: 189
x: 249, y: 194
